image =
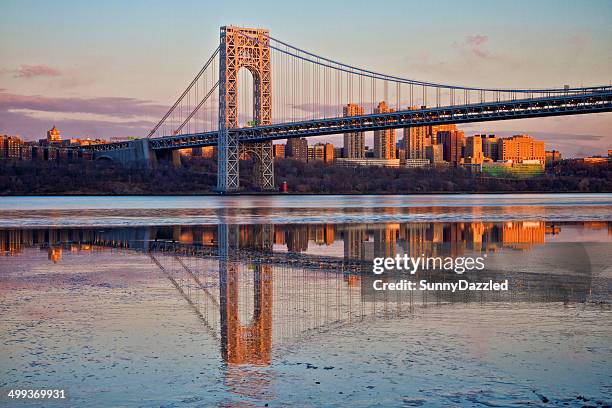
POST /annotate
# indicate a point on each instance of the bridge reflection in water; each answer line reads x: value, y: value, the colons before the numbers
x: 264, y: 288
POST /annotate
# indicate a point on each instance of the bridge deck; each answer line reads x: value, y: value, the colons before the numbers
x: 593, y: 102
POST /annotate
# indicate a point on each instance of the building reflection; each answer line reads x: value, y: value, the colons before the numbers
x: 12, y: 242
x: 296, y: 237
x: 359, y: 241
x: 54, y: 254
x: 522, y: 235
x: 257, y: 287
x: 354, y: 243
x: 385, y: 238
x: 344, y: 248
x: 246, y: 337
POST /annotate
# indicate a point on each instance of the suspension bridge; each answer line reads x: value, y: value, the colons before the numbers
x: 310, y: 92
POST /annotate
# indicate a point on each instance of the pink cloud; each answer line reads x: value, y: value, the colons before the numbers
x: 112, y: 106
x: 581, y: 38
x: 118, y: 116
x: 475, y: 44
x: 33, y: 128
x: 476, y: 40
x: 32, y: 71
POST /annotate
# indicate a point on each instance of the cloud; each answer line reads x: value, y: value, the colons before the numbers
x: 464, y: 60
x: 32, y: 71
x: 475, y: 43
x: 31, y: 115
x: 33, y: 128
x: 110, y: 106
x: 580, y: 38
x: 476, y: 40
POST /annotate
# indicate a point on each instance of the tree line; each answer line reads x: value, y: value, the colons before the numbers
x: 198, y: 176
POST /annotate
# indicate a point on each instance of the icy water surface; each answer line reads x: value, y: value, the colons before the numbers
x: 190, y: 210
x: 123, y: 307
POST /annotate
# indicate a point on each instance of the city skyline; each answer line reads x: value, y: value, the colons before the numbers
x: 98, y: 84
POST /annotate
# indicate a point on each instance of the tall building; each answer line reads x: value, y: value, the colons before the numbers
x: 473, y: 150
x: 316, y: 152
x: 51, y: 153
x: 10, y: 147
x: 368, y: 162
x: 53, y: 135
x: 297, y: 149
x: 278, y: 151
x: 489, y: 146
x: 433, y: 131
x: 209, y: 152
x: 311, y: 153
x: 384, y: 140
x: 519, y: 148
x: 321, y: 151
x: 328, y: 156
x: 354, y: 143
x: 435, y: 153
x: 552, y: 157
x: 416, y: 139
x: 454, y: 143
x: 26, y: 152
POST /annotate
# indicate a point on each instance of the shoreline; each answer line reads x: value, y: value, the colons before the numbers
x: 263, y: 193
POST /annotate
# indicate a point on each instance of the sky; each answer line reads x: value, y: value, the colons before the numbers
x: 112, y: 68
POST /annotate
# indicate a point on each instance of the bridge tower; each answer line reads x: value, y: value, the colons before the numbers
x: 243, y: 48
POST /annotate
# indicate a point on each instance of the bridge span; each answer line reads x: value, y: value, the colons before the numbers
x: 594, y: 102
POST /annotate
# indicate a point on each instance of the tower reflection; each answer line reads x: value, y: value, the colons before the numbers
x: 245, y: 345
x: 246, y: 342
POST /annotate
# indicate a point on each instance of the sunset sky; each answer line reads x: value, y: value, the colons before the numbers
x: 103, y: 69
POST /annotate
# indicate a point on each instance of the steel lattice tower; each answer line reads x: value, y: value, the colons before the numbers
x: 244, y: 48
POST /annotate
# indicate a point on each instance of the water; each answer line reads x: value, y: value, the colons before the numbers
x: 190, y: 210
x: 228, y: 301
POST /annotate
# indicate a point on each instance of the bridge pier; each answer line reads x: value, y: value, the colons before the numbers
x: 228, y: 159
x: 263, y: 169
x: 168, y: 156
x: 228, y: 162
x: 139, y: 154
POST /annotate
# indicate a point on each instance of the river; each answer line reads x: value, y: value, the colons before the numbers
x: 252, y: 300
